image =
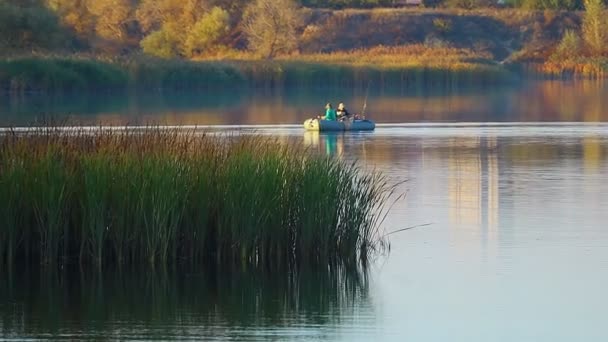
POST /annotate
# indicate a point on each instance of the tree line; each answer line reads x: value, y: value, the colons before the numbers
x: 189, y: 28
x: 165, y: 28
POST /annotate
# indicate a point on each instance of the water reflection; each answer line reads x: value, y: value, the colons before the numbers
x: 338, y: 144
x: 483, y: 180
x: 582, y: 101
x: 518, y: 221
x: 517, y: 250
x: 224, y: 304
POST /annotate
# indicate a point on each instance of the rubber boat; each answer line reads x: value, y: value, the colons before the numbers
x: 336, y: 126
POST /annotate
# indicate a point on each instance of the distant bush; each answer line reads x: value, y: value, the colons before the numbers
x: 159, y: 44
x: 434, y: 42
x: 442, y: 25
x: 568, y: 48
x: 547, y: 4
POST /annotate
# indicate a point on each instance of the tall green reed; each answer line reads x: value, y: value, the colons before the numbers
x: 11, y: 216
x: 47, y: 196
x: 167, y: 197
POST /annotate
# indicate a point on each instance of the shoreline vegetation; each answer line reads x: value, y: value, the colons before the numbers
x: 167, y: 198
x: 409, y: 66
x: 72, y: 74
x: 69, y: 46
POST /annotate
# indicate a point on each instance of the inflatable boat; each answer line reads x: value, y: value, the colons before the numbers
x: 335, y: 126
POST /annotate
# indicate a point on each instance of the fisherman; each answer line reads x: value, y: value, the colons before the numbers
x: 330, y: 113
x: 342, y: 113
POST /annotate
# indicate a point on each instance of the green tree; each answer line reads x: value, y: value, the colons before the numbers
x: 270, y: 26
x: 208, y: 33
x: 595, y: 26
x: 29, y: 25
x: 160, y: 44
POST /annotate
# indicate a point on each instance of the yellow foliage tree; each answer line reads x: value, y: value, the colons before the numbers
x: 595, y: 26
x: 153, y: 14
x: 75, y: 15
x: 207, y: 33
x: 182, y: 28
x: 111, y: 18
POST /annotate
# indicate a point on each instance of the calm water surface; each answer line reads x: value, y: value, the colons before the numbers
x: 538, y: 101
x: 513, y: 247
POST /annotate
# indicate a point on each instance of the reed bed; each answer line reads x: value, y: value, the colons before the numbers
x: 414, y: 65
x: 166, y: 197
x: 586, y: 68
x: 49, y: 74
x: 398, y: 67
x: 413, y: 55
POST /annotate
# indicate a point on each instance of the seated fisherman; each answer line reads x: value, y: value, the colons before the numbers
x: 342, y: 113
x: 330, y: 113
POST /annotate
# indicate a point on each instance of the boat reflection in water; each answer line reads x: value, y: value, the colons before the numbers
x: 338, y: 144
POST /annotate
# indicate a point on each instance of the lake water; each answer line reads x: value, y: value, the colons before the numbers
x: 508, y: 193
x: 542, y: 101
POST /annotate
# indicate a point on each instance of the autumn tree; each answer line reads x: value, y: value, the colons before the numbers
x: 153, y: 14
x: 159, y: 43
x: 75, y: 15
x: 595, y: 26
x: 207, y: 33
x: 270, y: 27
x: 112, y: 18
x: 182, y: 28
x: 100, y: 23
x: 234, y: 7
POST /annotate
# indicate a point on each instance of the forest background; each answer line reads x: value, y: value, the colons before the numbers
x: 554, y: 36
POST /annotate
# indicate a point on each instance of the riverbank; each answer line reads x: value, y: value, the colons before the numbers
x: 162, y: 197
x: 523, y: 40
x: 438, y: 48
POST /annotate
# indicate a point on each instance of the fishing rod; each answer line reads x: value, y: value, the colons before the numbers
x: 365, y: 102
